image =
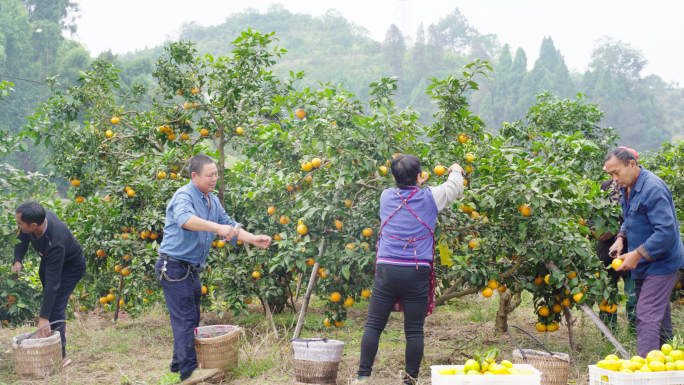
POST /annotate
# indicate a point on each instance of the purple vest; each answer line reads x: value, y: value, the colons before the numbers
x: 405, y: 225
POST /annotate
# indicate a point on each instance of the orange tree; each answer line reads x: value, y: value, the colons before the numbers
x: 530, y: 189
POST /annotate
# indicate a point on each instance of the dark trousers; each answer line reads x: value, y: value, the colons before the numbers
x: 183, y: 301
x: 392, y: 283
x: 654, y: 321
x: 71, y: 275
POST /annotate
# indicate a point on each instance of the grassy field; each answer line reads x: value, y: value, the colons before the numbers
x: 138, y: 351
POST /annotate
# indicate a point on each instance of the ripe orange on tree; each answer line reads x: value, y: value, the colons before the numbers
x: 284, y: 219
x: 425, y: 175
x: 101, y: 253
x: 572, y: 275
x: 612, y: 308
x: 566, y: 302
x: 301, y: 114
x: 130, y: 193
x: 348, y: 203
x: 115, y: 120
x: 154, y: 236
x: 316, y: 162
x: 306, y: 166
x: 109, y: 133
x: 111, y: 297
x: 468, y: 169
x: 185, y: 136
x: 546, y: 279
x: 310, y: 261
x: 240, y: 130
x: 382, y: 170
x: 220, y: 244
x: 578, y: 296
x: 335, y: 297
x: 367, y: 232
x: 474, y: 243
x: 540, y: 327
x: 301, y: 229
x: 365, y: 293
x: 502, y: 289
x: 470, y: 158
x: 103, y: 300
x: 339, y: 324
x: 557, y: 308
x: 338, y: 224
x: 349, y: 302
x: 79, y: 199
x: 194, y: 90
x: 543, y: 311
x: 117, y: 268
x: 487, y: 292
x: 552, y: 327
x: 277, y: 237
x: 493, y: 284
x: 75, y: 182
x: 463, y: 138
x: 256, y: 274
x: 538, y: 281
x: 204, y: 290
x: 439, y: 170
x: 271, y: 210
x: 122, y: 303
x: 204, y: 132
x: 126, y: 271
x: 525, y: 210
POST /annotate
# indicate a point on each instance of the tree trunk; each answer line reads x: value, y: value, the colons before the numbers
x: 501, y: 324
x: 569, y: 322
x: 118, y: 296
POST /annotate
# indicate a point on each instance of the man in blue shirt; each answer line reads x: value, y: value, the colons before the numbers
x: 193, y: 217
x: 655, y: 250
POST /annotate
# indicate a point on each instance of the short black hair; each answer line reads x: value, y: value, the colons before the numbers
x: 31, y: 212
x: 197, y: 163
x: 406, y: 169
x: 622, y: 155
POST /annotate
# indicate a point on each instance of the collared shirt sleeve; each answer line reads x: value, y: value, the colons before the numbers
x: 21, y: 248
x: 54, y: 261
x: 224, y: 219
x: 665, y: 231
x: 183, y: 208
x: 446, y: 193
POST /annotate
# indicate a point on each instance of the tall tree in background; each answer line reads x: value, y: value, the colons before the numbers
x: 434, y: 50
x: 62, y: 12
x: 418, y: 53
x: 455, y: 31
x: 516, y: 76
x: 619, y: 58
x: 393, y: 49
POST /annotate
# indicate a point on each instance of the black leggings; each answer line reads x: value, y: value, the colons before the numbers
x: 391, y: 283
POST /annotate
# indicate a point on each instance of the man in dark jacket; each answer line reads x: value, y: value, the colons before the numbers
x: 654, y: 245
x: 62, y: 263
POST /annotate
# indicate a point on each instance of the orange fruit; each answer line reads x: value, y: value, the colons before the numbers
x: 75, y: 182
x: 525, y: 210
x: 572, y: 275
x: 425, y: 175
x: 122, y: 303
x: 493, y: 284
x: 349, y: 301
x: 111, y: 297
x: 578, y: 297
x: 546, y: 279
x: 204, y: 290
x: 115, y: 120
x: 365, y: 293
x: 256, y: 274
x: 277, y: 237
x: 338, y: 224
x: 350, y: 246
x: 103, y: 300
x: 154, y: 236
x: 101, y: 253
x: 487, y: 292
x: 271, y: 210
x: 616, y: 263
x: 470, y: 158
x: 179, y: 92
x: 79, y: 199
x: 566, y: 302
x: 117, y: 268
x: 240, y: 130
x: 540, y: 327
x: 382, y: 170
x: 463, y: 138
x: 248, y: 301
x: 327, y: 323
x: 474, y: 243
x: 171, y: 137
x: 310, y: 262
x: 538, y: 281
x: 543, y: 311
x: 348, y: 203
x: 308, y: 178
x: 220, y: 244
x: 468, y: 169
x: 552, y: 327
x: 185, y: 136
x: 284, y: 219
x: 612, y: 308
x: 439, y: 170
x: 339, y: 323
x: 301, y: 114
x: 502, y: 289
x: 109, y: 133
x: 335, y: 297
x: 316, y: 162
x: 126, y: 271
x: 130, y: 193
x: 307, y: 166
x: 301, y: 229
x: 557, y: 308
x: 204, y: 132
x: 367, y: 232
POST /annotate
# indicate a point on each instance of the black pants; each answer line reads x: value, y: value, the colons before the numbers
x: 71, y: 275
x: 392, y: 283
x: 182, y: 296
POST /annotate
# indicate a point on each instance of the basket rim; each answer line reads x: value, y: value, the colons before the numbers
x: 538, y: 353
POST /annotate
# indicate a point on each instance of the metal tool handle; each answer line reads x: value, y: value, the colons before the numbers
x: 533, y: 337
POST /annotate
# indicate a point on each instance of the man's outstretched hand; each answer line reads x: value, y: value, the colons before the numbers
x: 261, y: 241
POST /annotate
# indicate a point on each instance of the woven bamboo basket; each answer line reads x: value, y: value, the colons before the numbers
x: 555, y: 367
x: 316, y: 360
x: 217, y: 347
x: 36, y: 358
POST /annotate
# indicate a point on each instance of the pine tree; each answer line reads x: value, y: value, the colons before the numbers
x: 486, y: 110
x: 393, y: 49
x: 517, y: 75
x: 434, y: 49
x: 418, y: 53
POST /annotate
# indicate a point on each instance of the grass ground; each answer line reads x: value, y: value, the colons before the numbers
x: 138, y: 351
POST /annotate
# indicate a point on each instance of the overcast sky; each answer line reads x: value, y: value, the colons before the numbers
x: 654, y: 27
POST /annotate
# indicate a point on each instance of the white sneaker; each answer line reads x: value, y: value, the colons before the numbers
x: 198, y: 375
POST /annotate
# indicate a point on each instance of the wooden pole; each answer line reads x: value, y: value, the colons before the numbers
x: 594, y: 317
x: 118, y: 297
x: 309, y: 289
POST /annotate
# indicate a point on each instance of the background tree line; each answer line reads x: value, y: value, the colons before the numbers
x: 645, y: 109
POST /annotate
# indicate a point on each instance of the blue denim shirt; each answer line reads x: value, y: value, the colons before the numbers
x: 187, y: 245
x: 651, y: 226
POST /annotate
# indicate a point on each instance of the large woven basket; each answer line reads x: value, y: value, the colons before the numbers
x: 36, y: 358
x: 555, y: 367
x: 217, y: 347
x: 316, y: 360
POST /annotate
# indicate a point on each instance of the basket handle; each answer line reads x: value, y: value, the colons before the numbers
x: 36, y: 332
x: 533, y: 337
